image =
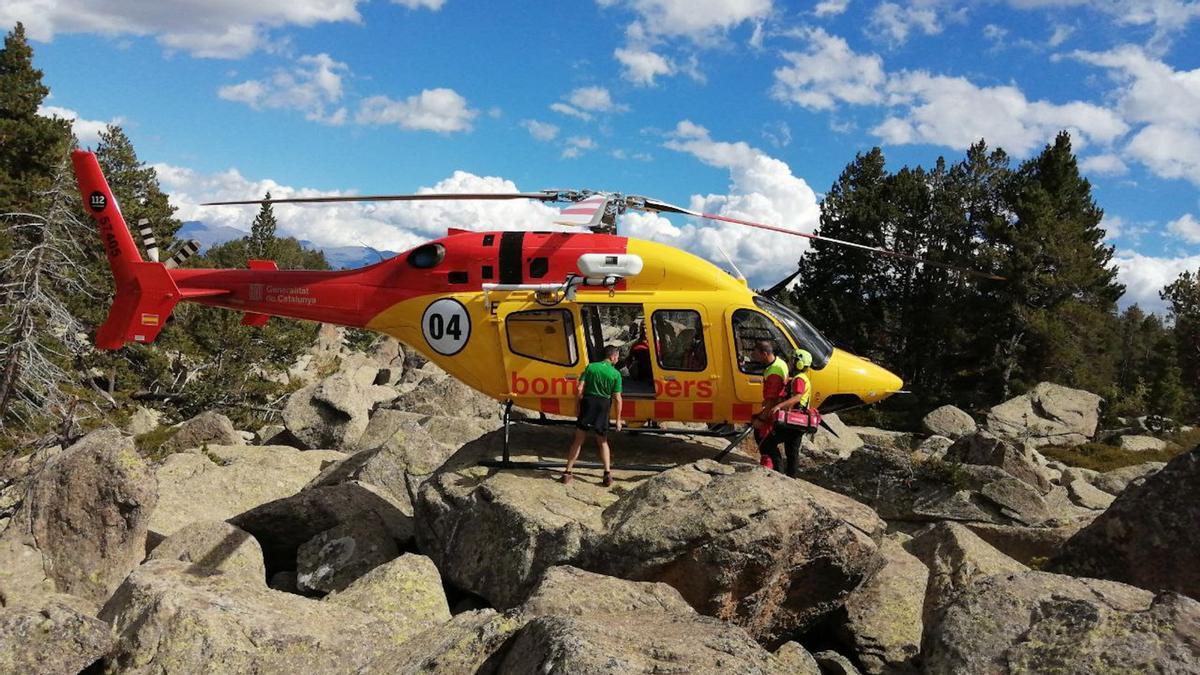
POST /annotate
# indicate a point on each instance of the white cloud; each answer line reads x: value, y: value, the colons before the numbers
x: 1186, y: 227
x: 695, y: 19
x: 896, y: 22
x: 954, y: 112
x: 827, y: 73
x: 762, y: 189
x: 542, y: 131
x: 1107, y: 164
x: 87, y: 132
x: 577, y: 145
x: 206, y: 29
x: 313, y: 86
x: 564, y: 109
x: 1167, y: 18
x: 420, y: 4
x: 831, y: 7
x: 1164, y: 101
x: 395, y: 226
x: 1144, y: 276
x: 1060, y: 35
x: 442, y: 110
x: 641, y: 66
x: 1114, y: 227
x: 594, y: 99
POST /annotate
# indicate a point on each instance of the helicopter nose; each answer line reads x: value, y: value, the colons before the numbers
x: 859, y: 376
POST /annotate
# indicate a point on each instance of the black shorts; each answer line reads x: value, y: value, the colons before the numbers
x: 593, y: 414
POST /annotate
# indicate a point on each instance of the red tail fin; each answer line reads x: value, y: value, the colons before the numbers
x: 98, y: 200
x: 141, y: 308
x: 146, y: 293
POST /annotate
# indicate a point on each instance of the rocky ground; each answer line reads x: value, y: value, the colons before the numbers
x: 362, y: 536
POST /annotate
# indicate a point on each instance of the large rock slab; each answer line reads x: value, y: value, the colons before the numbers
x: 950, y: 422
x: 1114, y: 482
x: 1039, y: 622
x: 228, y: 480
x: 1148, y: 537
x: 746, y: 545
x: 1050, y: 414
x: 333, y: 559
x: 635, y: 642
x: 284, y: 525
x: 900, y: 489
x: 901, y: 441
x: 796, y: 659
x: 208, y: 427
x: 956, y: 559
x: 334, y: 412
x: 399, y: 451
x: 51, y: 640
x: 1031, y: 546
x: 838, y: 439
x: 405, y: 593
x: 168, y: 618
x: 988, y: 450
x: 494, y: 533
x: 883, y: 617
x: 471, y: 642
x: 82, y: 524
x: 214, y: 546
x: 1141, y: 444
x: 433, y: 392
x: 569, y: 591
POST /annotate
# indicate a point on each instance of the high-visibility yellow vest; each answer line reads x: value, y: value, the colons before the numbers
x: 803, y: 375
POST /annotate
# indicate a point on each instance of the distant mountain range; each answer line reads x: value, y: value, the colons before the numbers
x: 339, y: 257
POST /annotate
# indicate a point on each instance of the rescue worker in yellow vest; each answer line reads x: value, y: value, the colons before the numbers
x: 775, y: 378
x: 799, y: 394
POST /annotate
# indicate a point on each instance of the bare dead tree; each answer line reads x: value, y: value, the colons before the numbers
x: 39, y: 335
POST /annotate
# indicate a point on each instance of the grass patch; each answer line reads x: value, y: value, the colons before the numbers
x: 150, y: 444
x: 1103, y: 457
x: 1185, y: 440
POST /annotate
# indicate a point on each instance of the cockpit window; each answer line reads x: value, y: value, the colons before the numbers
x: 802, y: 331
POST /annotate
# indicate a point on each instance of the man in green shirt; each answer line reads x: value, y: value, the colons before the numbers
x: 599, y: 386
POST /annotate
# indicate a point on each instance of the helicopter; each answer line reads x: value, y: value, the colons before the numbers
x: 517, y: 315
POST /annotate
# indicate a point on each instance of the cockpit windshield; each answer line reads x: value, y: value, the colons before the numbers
x: 802, y: 331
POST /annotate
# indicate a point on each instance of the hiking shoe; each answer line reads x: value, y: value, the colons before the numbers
x: 566, y: 478
x: 607, y: 482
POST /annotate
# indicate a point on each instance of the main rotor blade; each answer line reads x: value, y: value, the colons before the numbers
x: 654, y: 205
x: 548, y: 196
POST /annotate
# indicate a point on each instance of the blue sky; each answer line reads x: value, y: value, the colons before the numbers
x: 747, y: 107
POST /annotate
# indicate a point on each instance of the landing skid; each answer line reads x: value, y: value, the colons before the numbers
x: 505, y: 462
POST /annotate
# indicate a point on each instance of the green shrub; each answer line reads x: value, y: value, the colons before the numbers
x: 1103, y: 457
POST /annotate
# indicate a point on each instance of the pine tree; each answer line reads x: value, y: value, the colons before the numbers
x: 1183, y: 298
x: 840, y: 289
x: 31, y: 146
x: 1059, y: 301
x: 262, y: 232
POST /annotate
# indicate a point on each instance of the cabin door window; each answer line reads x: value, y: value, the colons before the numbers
x: 749, y: 327
x: 624, y: 326
x: 543, y: 335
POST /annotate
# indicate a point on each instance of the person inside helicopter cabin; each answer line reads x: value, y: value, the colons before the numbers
x: 799, y: 394
x: 599, y: 388
x: 639, y: 358
x: 775, y: 378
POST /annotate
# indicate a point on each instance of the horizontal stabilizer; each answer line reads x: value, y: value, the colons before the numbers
x: 141, y: 308
x: 143, y: 304
x: 255, y: 319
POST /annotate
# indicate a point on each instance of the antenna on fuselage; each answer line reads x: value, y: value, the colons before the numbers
x: 731, y: 264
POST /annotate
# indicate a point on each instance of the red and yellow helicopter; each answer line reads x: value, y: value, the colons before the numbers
x: 515, y: 314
